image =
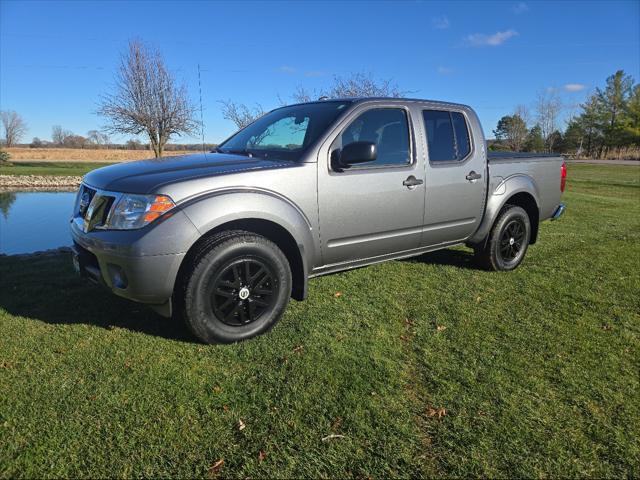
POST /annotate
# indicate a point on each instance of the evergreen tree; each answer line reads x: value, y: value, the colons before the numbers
x: 535, y: 142
x: 512, y: 130
x: 614, y: 99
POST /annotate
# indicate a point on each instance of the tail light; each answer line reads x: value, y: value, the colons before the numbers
x: 563, y: 176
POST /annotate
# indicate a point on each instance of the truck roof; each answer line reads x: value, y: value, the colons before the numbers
x: 368, y: 99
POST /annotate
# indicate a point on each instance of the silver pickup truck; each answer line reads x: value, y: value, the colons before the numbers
x: 224, y: 239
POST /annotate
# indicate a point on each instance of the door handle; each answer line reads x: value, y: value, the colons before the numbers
x: 471, y: 176
x: 412, y: 182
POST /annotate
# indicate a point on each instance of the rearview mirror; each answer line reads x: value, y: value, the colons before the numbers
x: 358, y: 152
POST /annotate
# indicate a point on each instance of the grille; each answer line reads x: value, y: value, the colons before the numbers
x: 94, y: 207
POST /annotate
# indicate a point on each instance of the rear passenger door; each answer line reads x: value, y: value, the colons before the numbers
x: 455, y: 176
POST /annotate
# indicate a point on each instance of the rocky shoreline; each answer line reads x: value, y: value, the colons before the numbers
x: 39, y: 182
x: 39, y: 253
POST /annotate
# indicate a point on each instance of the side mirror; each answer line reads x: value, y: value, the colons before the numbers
x: 358, y: 152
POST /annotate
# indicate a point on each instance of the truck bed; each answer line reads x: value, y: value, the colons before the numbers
x: 495, y: 157
x: 543, y: 169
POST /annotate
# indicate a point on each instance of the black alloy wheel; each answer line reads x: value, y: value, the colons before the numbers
x: 508, y: 240
x: 236, y: 285
x: 243, y: 290
x: 512, y: 240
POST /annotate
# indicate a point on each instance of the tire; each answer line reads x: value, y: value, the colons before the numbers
x: 508, y: 240
x: 236, y: 287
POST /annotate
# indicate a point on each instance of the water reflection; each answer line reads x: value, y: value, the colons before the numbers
x: 34, y: 221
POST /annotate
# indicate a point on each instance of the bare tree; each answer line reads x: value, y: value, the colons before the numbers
x: 58, y: 134
x: 14, y: 127
x: 353, y: 85
x: 147, y: 100
x: 548, y: 106
x: 357, y: 84
x: 97, y: 138
x: 240, y: 114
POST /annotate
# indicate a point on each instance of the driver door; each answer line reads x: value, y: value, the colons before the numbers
x: 369, y: 210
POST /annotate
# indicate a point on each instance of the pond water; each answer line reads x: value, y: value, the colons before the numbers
x: 34, y: 221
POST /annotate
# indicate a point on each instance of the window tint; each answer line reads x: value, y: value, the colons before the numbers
x: 463, y: 144
x: 447, y: 135
x: 440, y: 139
x: 287, y: 133
x: 388, y: 129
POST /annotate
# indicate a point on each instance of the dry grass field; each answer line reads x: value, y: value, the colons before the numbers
x: 22, y: 154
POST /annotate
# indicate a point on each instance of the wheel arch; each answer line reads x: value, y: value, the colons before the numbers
x: 273, y: 217
x: 519, y: 190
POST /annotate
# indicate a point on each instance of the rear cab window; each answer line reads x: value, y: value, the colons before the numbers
x: 447, y: 135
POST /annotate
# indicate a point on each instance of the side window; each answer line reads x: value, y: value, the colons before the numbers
x: 463, y: 144
x: 388, y: 129
x: 447, y: 135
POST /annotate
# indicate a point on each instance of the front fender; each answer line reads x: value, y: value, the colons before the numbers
x: 218, y: 207
x: 504, y: 189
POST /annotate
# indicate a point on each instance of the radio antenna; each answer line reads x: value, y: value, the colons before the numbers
x: 201, y: 116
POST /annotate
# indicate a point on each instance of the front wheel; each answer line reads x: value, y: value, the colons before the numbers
x: 237, y: 287
x: 508, y: 240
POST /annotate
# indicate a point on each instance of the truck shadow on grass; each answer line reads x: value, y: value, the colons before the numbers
x: 455, y: 258
x: 45, y: 288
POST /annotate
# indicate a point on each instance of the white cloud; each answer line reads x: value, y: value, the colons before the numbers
x: 444, y: 70
x: 483, y: 40
x: 441, y: 22
x: 520, y: 8
x: 287, y: 69
x: 574, y: 87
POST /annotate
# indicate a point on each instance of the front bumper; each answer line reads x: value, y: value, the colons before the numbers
x: 141, y: 265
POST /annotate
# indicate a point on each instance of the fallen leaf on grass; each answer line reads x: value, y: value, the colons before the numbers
x: 332, y: 436
x: 241, y: 425
x: 217, y: 389
x: 225, y: 408
x: 261, y: 456
x: 478, y: 300
x: 298, y: 349
x: 441, y: 328
x: 337, y: 294
x: 216, y: 467
x: 436, y: 412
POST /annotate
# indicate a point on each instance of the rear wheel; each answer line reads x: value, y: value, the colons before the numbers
x: 508, y: 240
x: 236, y: 287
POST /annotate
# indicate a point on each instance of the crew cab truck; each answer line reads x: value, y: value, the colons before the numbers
x: 224, y: 239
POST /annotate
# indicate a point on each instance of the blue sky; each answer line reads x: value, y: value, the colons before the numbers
x: 56, y: 58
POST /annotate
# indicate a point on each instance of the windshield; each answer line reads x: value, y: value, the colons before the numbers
x: 285, y: 133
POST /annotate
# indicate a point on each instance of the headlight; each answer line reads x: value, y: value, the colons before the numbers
x: 136, y: 211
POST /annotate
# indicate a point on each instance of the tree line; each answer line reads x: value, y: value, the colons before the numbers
x: 148, y: 101
x: 606, y: 125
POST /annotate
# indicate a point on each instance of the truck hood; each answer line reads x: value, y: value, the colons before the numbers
x: 145, y: 176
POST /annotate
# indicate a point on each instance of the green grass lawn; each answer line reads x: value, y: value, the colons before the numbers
x: 50, y: 168
x: 425, y: 367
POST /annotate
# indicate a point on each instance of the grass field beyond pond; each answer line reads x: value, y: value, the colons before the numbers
x: 50, y: 168
x: 75, y: 155
x: 422, y: 367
